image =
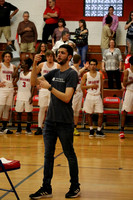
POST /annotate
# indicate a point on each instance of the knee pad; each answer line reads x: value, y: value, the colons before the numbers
x: 6, y: 112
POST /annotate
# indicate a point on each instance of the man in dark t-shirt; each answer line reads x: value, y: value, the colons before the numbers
x: 5, y: 16
x: 59, y: 121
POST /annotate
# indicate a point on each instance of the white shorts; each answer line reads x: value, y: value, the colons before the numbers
x: 77, y: 102
x: 6, y: 97
x: 22, y: 106
x: 128, y: 101
x: 93, y: 104
x: 44, y: 99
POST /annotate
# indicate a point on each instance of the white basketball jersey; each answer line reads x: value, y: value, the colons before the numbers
x: 45, y: 70
x: 78, y: 88
x: 6, y: 76
x: 24, y: 87
x: 91, y: 81
x: 130, y: 78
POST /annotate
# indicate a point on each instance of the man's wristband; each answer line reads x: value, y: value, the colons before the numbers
x: 50, y: 88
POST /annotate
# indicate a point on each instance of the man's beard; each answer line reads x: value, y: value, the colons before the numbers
x: 63, y: 61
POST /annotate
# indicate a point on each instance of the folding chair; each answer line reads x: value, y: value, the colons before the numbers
x: 112, y: 107
x: 11, y: 165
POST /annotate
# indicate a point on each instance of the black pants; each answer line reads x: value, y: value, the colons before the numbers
x: 64, y: 132
x: 47, y: 31
x: 114, y: 74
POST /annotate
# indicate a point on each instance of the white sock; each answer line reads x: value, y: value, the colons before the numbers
x: 91, y: 127
x: 99, y: 128
x: 41, y: 116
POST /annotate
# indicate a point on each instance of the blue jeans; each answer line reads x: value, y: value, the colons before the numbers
x: 65, y: 134
x: 82, y: 51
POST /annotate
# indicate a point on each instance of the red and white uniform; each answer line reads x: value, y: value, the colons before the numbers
x: 77, y: 98
x: 44, y: 94
x: 93, y: 102
x: 128, y: 99
x: 24, y: 93
x: 6, y: 93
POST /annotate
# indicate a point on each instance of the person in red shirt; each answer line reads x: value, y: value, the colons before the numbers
x: 50, y: 16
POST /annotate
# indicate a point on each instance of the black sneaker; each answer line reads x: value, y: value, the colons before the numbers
x: 91, y: 133
x: 73, y: 192
x: 39, y: 131
x: 7, y: 131
x: 42, y: 193
x: 18, y: 131
x: 100, y: 134
x: 28, y: 132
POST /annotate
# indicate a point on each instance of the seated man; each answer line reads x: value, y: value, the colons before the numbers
x: 64, y: 40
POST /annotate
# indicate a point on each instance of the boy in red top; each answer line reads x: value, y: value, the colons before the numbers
x: 50, y: 16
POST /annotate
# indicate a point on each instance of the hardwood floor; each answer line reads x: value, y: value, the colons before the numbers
x: 105, y: 167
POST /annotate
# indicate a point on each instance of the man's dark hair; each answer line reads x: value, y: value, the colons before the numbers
x: 6, y: 52
x: 28, y: 62
x: 76, y: 58
x: 108, y: 20
x: 131, y: 60
x: 64, y: 33
x: 93, y: 60
x: 68, y: 48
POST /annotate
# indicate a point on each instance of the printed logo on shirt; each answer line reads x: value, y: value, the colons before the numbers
x: 61, y: 80
x: 24, y: 79
x: 7, y: 72
x: 93, y: 82
x: 45, y: 71
x: 130, y: 78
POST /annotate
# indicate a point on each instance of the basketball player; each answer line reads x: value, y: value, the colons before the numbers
x: 93, y: 102
x: 128, y: 99
x: 44, y: 94
x: 59, y: 121
x: 7, y: 73
x: 77, y: 98
x: 24, y: 96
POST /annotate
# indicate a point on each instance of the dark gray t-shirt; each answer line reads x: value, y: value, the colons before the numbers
x: 58, y: 110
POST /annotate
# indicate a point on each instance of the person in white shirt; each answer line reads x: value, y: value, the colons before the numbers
x: 7, y: 73
x: 128, y: 99
x: 92, y: 81
x: 44, y: 95
x: 78, y: 95
x: 64, y: 40
x: 24, y: 96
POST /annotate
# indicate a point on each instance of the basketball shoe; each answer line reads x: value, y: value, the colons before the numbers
x: 42, y: 193
x: 76, y: 133
x: 100, y: 134
x: 91, y: 133
x: 122, y: 135
x: 73, y: 192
